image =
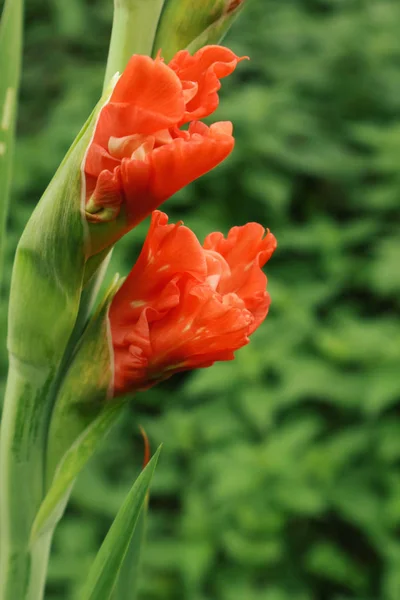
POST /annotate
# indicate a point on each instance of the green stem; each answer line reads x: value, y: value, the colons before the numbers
x: 40, y: 558
x: 23, y: 447
x: 21, y: 476
x: 133, y: 32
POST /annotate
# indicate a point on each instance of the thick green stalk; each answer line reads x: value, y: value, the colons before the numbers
x: 21, y: 465
x: 133, y: 31
x: 44, y: 304
x: 40, y: 552
x: 23, y: 447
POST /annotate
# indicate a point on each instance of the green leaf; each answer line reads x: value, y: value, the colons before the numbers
x: 126, y: 588
x: 10, y: 69
x: 72, y: 463
x: 104, y: 573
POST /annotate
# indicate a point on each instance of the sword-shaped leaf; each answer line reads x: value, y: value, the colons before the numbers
x: 103, y: 575
x: 127, y: 584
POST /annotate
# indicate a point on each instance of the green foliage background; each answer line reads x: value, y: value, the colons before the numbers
x: 279, y: 478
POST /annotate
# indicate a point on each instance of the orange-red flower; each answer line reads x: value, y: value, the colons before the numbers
x: 184, y: 305
x: 139, y: 154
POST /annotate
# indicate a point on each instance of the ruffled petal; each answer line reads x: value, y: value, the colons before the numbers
x: 98, y: 159
x: 217, y: 267
x: 131, y: 360
x: 205, y: 68
x: 204, y: 323
x: 153, y: 93
x: 181, y: 162
x: 108, y: 191
x: 125, y: 146
x: 163, y: 172
x: 161, y: 262
x: 245, y: 250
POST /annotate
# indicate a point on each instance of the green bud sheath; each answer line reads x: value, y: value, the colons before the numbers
x: 86, y: 388
x: 45, y: 300
x: 82, y: 416
x: 192, y: 25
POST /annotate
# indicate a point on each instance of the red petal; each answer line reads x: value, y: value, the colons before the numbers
x: 98, y: 160
x: 131, y: 362
x: 206, y: 67
x: 181, y: 162
x: 147, y: 97
x: 246, y: 251
x: 169, y: 168
x: 243, y: 247
x: 204, y: 323
x: 160, y: 262
x: 136, y: 177
x: 108, y: 192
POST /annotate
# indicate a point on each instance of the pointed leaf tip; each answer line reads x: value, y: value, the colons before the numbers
x: 103, y: 575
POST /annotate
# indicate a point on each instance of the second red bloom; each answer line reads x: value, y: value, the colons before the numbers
x: 185, y: 305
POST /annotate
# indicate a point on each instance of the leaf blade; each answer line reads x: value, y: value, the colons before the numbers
x: 72, y: 463
x: 127, y: 584
x: 103, y: 575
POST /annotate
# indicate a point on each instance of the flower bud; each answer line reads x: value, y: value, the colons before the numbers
x: 188, y: 24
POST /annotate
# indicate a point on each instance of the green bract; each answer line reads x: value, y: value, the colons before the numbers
x: 45, y: 301
x: 86, y: 388
x: 188, y: 24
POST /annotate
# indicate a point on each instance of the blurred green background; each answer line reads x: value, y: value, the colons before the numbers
x: 279, y: 477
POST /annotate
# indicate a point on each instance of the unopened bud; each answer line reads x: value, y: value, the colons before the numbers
x: 184, y: 26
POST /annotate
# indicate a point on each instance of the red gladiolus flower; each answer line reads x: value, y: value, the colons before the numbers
x: 139, y: 154
x: 184, y: 305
